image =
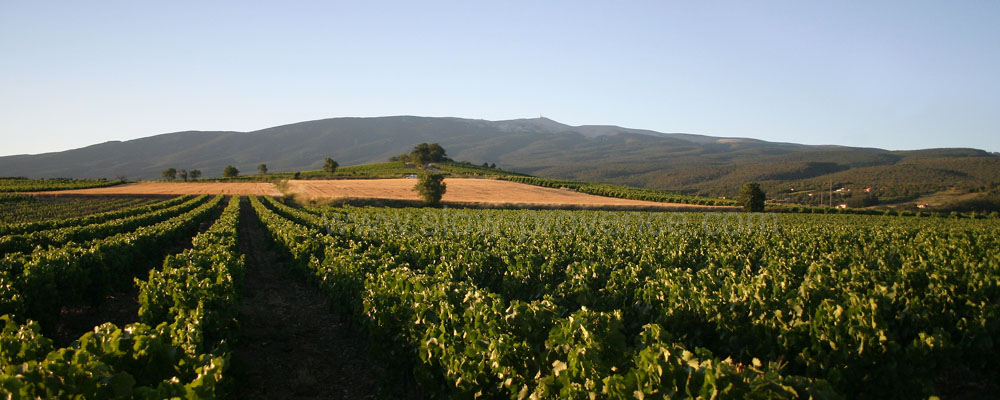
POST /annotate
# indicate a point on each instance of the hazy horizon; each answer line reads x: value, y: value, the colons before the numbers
x: 894, y: 75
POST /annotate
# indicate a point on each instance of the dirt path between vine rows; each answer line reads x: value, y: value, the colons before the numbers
x: 291, y: 345
x: 120, y: 306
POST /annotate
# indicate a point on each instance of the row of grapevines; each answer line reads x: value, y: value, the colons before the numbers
x: 44, y: 239
x: 391, y: 169
x: 188, y: 311
x: 466, y: 341
x: 743, y: 292
x: 469, y: 169
x: 600, y: 189
x: 21, y: 208
x: 825, y: 295
x: 624, y: 192
x: 875, y: 305
x: 37, y: 285
x: 134, y: 362
x: 37, y: 185
x: 198, y: 289
x: 29, y: 227
x: 880, y: 211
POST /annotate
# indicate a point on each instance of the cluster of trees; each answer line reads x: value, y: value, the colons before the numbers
x: 430, y: 187
x: 330, y: 166
x: 984, y: 203
x: 172, y: 173
x: 423, y: 154
x: 230, y: 172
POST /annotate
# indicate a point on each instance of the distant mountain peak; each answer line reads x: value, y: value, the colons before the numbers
x: 540, y: 124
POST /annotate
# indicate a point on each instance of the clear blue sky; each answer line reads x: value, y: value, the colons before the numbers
x: 890, y: 74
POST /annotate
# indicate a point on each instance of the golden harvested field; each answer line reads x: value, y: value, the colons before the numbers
x: 460, y: 190
x: 468, y: 191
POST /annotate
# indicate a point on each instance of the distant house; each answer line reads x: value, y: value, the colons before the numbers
x: 841, y: 205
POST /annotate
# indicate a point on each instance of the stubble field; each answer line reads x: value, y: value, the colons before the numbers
x: 460, y: 191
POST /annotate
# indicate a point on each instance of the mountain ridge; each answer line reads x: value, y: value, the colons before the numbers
x: 685, y: 162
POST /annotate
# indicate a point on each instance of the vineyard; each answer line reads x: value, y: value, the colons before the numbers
x: 619, y: 191
x: 518, y: 304
x: 38, y: 185
x: 572, y: 304
x: 19, y: 208
x: 392, y: 169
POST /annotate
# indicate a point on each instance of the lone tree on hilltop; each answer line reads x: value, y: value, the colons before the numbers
x: 436, y: 153
x: 751, y: 197
x: 424, y: 153
x: 230, y: 172
x: 262, y: 169
x: 431, y: 187
x: 195, y: 174
x: 330, y: 166
x: 169, y: 174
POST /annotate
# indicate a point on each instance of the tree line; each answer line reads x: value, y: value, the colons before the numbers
x: 422, y: 154
x: 172, y: 173
x: 329, y: 165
